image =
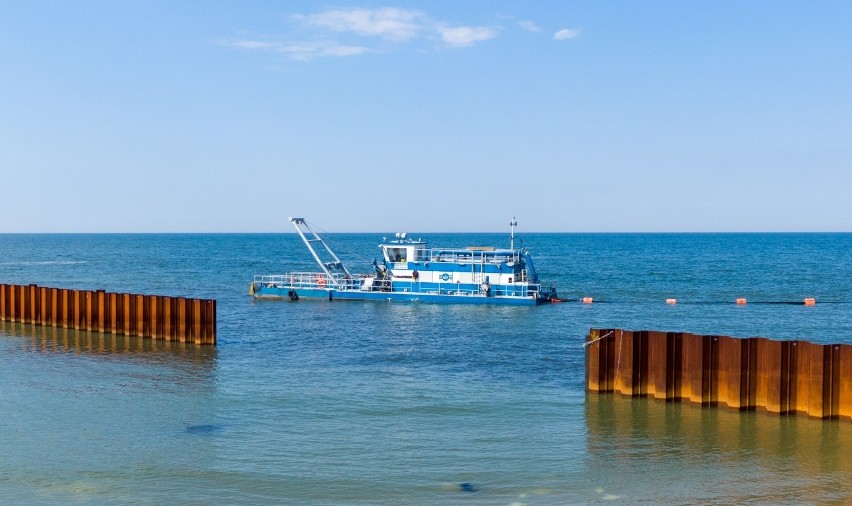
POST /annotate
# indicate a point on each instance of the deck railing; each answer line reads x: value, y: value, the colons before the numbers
x: 309, y: 280
x: 320, y: 280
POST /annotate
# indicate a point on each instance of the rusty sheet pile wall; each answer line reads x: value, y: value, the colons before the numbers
x: 148, y: 316
x: 783, y: 377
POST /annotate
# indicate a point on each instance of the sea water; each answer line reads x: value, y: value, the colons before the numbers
x: 316, y: 402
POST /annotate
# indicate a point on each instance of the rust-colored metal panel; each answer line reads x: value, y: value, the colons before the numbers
x: 623, y: 383
x: 592, y: 349
x: 182, y: 315
x: 692, y: 367
x: 211, y: 322
x: 819, y: 399
x: 800, y: 376
x: 844, y: 373
x: 142, y: 326
x: 710, y: 371
x: 103, y: 311
x: 114, y: 312
x: 635, y: 378
x: 600, y: 360
x: 65, y: 304
x: 196, y: 321
x: 201, y: 322
x: 41, y: 303
x: 640, y: 363
x: 606, y: 367
x: 768, y: 393
x: 23, y: 298
x: 55, y: 305
x: 78, y: 309
x: 128, y: 314
x: 177, y: 328
x: 23, y: 306
x: 13, y: 303
x: 3, y: 301
x: 659, y: 366
x: 832, y: 379
x: 606, y: 360
x: 20, y: 294
x: 749, y: 389
x: 154, y: 316
x: 35, y: 305
x: 675, y: 354
x: 206, y: 334
x: 730, y: 373
x: 789, y: 352
x: 167, y: 318
x: 44, y: 306
x: 90, y: 322
x: 64, y: 310
x: 10, y: 303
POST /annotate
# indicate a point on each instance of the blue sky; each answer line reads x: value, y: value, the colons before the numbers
x: 230, y: 116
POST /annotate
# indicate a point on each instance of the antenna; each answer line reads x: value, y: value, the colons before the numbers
x: 513, y: 224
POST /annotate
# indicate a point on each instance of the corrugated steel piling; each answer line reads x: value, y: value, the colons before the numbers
x: 756, y: 373
x: 149, y: 316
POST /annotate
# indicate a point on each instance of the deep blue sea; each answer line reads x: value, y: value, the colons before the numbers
x: 316, y: 402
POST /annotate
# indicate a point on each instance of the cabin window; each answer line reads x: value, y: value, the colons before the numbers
x: 396, y: 255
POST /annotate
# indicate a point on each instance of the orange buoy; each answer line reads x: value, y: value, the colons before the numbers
x: 810, y: 301
x: 671, y: 301
x: 587, y: 300
x: 741, y: 301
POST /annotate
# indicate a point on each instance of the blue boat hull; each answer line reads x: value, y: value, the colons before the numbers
x: 332, y: 294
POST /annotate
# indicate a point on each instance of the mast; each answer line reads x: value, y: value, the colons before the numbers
x: 513, y: 224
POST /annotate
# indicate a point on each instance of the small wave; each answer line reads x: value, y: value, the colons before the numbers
x: 45, y: 262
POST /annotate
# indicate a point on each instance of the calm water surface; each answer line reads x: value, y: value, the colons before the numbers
x: 376, y: 403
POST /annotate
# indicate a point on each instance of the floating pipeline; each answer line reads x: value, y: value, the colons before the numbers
x: 168, y: 318
x: 756, y: 373
x: 740, y: 301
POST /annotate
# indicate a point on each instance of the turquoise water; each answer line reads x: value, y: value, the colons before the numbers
x: 377, y: 403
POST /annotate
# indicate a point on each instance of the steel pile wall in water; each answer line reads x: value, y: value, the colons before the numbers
x: 149, y: 316
x: 783, y: 377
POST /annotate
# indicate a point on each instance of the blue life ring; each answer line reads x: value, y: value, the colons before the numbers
x: 445, y: 276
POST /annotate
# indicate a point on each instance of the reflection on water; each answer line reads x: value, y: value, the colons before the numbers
x: 35, y: 338
x: 648, y: 450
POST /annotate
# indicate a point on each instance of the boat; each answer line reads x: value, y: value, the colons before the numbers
x: 411, y: 271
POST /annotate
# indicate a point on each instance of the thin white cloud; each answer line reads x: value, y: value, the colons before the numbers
x: 349, y: 32
x: 388, y: 23
x: 463, y: 36
x: 311, y: 50
x: 248, y: 44
x: 529, y: 26
x: 302, y: 51
x: 567, y: 33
